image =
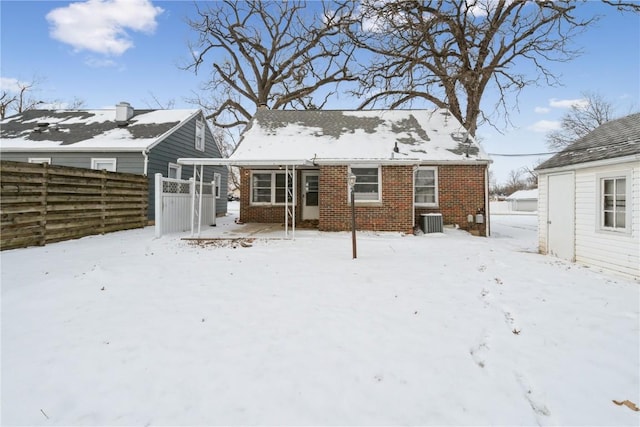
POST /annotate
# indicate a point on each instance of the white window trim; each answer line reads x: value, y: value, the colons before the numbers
x: 627, y: 175
x: 435, y: 176
x: 96, y: 160
x: 200, y: 135
x: 369, y: 201
x: 217, y: 180
x: 178, y: 169
x: 273, y: 188
x: 39, y: 160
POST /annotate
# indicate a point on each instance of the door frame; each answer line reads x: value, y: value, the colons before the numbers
x: 566, y: 248
x: 309, y: 213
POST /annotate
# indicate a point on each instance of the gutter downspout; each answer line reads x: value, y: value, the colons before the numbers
x: 486, y: 201
x: 145, y: 154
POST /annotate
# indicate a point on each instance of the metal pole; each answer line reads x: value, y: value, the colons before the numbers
x: 353, y: 225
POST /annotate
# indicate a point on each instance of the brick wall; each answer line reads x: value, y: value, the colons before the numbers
x: 460, y: 193
x: 394, y: 213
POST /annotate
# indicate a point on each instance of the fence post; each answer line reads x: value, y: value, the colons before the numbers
x: 43, y: 204
x: 158, y: 204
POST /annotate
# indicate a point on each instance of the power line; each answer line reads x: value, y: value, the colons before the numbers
x: 522, y: 155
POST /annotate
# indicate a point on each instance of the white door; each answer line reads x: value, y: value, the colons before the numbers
x: 560, y: 216
x: 310, y: 207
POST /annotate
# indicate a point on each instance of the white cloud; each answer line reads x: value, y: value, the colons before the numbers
x: 99, y: 63
x: 541, y: 110
x: 568, y: 103
x: 544, y: 126
x: 101, y: 25
x: 9, y: 84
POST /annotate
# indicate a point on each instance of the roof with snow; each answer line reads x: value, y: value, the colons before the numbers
x: 617, y: 138
x: 524, y: 195
x: 337, y: 135
x: 69, y: 130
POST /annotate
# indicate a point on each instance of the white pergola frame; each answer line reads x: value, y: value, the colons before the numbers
x: 288, y: 165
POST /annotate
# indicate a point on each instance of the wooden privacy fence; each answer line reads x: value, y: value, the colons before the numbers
x: 41, y: 204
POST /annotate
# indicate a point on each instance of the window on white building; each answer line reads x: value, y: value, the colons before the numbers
x: 103, y: 164
x: 426, y: 187
x: 613, y: 203
x: 367, y: 187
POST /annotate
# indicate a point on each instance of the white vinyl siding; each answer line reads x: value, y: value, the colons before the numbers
x: 103, y: 164
x: 269, y: 187
x: 426, y: 187
x: 368, y: 183
x: 608, y: 248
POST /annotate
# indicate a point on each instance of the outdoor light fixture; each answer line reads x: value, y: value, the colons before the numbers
x: 352, y: 183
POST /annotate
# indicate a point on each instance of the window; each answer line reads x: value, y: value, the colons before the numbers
x: 269, y: 187
x: 104, y: 164
x: 175, y: 171
x: 217, y: 179
x: 200, y: 135
x: 613, y: 203
x: 40, y: 160
x: 367, y: 188
x: 426, y: 187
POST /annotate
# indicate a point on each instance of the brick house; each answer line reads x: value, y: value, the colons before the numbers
x: 295, y: 167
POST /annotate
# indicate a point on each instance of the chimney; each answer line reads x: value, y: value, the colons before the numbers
x: 124, y: 112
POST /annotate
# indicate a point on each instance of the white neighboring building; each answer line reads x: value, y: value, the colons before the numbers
x: 524, y: 200
x: 589, y: 199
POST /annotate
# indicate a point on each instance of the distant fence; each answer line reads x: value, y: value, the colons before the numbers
x: 175, y: 201
x: 41, y: 204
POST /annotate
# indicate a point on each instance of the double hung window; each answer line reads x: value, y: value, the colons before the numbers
x: 269, y: 187
x: 613, y: 203
x: 367, y: 186
x: 426, y: 187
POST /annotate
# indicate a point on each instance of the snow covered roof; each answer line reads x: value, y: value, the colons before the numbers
x: 617, y: 138
x: 75, y: 130
x: 326, y: 136
x: 524, y: 195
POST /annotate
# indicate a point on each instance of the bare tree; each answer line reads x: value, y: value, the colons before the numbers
x: 273, y: 53
x: 20, y: 98
x: 449, y: 53
x: 581, y: 119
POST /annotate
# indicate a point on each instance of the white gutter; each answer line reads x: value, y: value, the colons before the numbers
x: 71, y: 148
x: 206, y: 161
x: 592, y: 164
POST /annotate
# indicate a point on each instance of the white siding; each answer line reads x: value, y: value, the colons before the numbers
x: 619, y: 252
x: 542, y: 213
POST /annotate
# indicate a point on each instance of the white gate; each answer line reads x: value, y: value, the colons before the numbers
x: 174, y: 205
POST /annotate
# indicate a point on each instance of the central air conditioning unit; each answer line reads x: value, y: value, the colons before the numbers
x: 431, y: 223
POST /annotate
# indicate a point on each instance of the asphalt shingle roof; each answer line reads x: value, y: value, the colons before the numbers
x: 617, y: 138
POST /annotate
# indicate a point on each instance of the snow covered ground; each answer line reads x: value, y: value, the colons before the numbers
x: 438, y: 329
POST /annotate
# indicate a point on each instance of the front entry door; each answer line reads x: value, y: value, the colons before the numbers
x: 310, y: 207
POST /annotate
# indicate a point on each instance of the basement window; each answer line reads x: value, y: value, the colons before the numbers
x: 175, y: 171
x: 103, y: 164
